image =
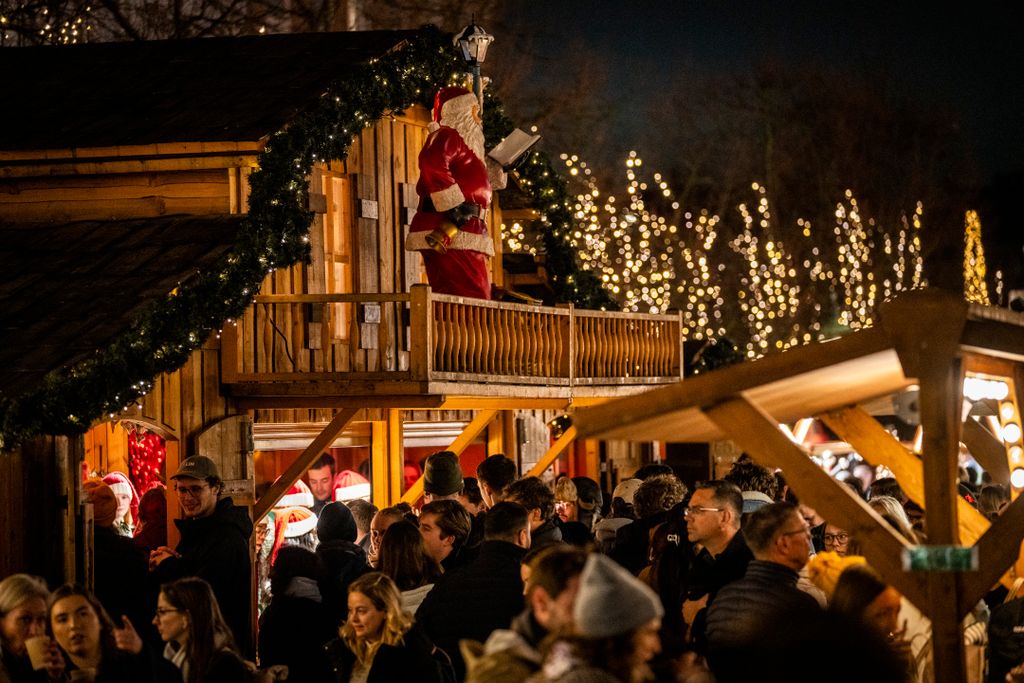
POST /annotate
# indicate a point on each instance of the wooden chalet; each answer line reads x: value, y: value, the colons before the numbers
x: 928, y: 339
x: 125, y: 173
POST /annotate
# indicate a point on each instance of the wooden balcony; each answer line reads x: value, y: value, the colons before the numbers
x: 420, y: 349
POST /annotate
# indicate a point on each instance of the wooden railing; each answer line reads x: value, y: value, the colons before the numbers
x: 431, y: 337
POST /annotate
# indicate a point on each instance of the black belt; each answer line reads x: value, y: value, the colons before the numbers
x: 469, y: 208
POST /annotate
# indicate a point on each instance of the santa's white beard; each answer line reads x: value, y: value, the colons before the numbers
x: 472, y: 132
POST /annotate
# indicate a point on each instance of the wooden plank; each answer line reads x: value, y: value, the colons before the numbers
x: 332, y: 297
x: 998, y: 550
x: 114, y: 209
x: 71, y: 167
x: 323, y: 440
x: 987, y: 450
x: 157, y: 149
x: 877, y: 446
x: 396, y: 456
x: 757, y: 433
x: 557, y: 448
x: 472, y: 430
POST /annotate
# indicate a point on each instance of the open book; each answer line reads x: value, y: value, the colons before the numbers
x: 512, y: 148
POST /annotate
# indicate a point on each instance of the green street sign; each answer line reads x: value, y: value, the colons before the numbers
x: 940, y: 558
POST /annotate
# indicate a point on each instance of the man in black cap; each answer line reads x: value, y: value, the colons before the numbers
x: 442, y: 477
x: 214, y: 545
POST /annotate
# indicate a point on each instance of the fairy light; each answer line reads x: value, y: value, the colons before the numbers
x: 975, y: 288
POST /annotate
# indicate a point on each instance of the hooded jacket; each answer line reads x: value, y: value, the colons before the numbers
x: 216, y: 549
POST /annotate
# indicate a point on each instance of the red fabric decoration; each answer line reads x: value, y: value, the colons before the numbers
x: 146, y: 454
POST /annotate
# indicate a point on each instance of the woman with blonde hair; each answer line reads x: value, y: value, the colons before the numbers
x: 22, y: 618
x: 379, y: 642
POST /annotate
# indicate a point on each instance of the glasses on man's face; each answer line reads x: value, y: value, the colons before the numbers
x: 193, y: 491
x: 837, y: 539
x: 805, y: 530
x: 697, y: 509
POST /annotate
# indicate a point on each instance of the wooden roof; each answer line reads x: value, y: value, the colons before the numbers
x: 800, y: 382
x: 209, y: 89
x: 69, y: 288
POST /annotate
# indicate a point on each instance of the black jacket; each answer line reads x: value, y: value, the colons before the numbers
x: 122, y: 581
x: 708, y: 575
x: 344, y: 562
x: 411, y: 661
x: 474, y: 601
x: 148, y: 666
x: 745, y: 610
x: 632, y: 542
x: 293, y: 632
x: 547, y: 533
x: 216, y: 548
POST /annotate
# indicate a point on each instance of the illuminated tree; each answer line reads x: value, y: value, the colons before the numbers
x: 975, y: 288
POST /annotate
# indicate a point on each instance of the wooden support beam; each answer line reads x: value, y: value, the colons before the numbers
x: 396, y: 456
x: 927, y: 328
x: 754, y: 431
x: 877, y: 446
x: 557, y: 448
x: 302, y: 463
x: 987, y: 450
x: 472, y: 430
x: 998, y: 549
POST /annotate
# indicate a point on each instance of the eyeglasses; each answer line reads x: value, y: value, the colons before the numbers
x: 193, y: 491
x: 160, y: 611
x: 837, y: 538
x: 691, y: 511
x: 806, y: 531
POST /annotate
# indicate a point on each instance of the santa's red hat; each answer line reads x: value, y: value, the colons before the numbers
x: 349, y: 485
x: 120, y: 483
x: 452, y: 100
x: 291, y: 523
x: 298, y: 495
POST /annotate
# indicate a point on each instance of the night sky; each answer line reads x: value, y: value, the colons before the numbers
x: 968, y: 59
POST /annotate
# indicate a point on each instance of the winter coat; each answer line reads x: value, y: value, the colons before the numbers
x: 145, y: 667
x: 474, y: 601
x: 216, y: 548
x: 563, y: 665
x: 122, y: 580
x: 509, y: 656
x: 414, y: 597
x: 745, y: 609
x: 412, y: 660
x: 293, y: 632
x: 15, y: 669
x: 344, y: 562
x: 547, y: 533
x: 632, y: 542
x: 708, y: 575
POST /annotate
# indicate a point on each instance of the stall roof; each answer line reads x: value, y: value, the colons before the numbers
x: 790, y: 385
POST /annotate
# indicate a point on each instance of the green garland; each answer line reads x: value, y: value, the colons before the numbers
x: 275, y: 234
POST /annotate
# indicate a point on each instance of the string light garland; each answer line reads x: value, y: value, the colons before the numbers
x: 975, y: 270
x: 275, y: 234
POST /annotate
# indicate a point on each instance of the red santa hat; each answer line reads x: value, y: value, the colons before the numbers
x: 291, y: 523
x: 120, y: 483
x: 349, y: 485
x: 298, y: 495
x: 452, y: 100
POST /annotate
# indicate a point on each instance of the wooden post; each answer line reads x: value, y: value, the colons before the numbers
x: 472, y: 430
x: 396, y: 455
x: 758, y: 434
x: 379, y: 465
x: 998, y: 549
x: 302, y: 463
x: 557, y: 448
x: 421, y: 333
x: 987, y: 450
x: 927, y: 327
x: 387, y: 458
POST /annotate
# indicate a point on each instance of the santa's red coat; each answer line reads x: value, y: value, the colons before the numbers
x: 450, y: 174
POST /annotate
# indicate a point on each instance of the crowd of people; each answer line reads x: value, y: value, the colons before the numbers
x: 494, y: 579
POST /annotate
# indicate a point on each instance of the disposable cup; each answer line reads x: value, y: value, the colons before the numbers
x: 37, y: 647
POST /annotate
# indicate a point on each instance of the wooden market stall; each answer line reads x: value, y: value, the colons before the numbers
x: 929, y: 339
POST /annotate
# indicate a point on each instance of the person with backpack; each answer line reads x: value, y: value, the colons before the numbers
x: 380, y: 642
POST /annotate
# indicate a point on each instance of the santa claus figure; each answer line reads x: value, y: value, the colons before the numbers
x: 449, y: 227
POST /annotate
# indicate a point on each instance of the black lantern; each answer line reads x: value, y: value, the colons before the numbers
x: 474, y: 41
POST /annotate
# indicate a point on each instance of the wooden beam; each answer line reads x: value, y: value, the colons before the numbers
x: 472, y: 430
x: 302, y: 463
x: 557, y: 448
x: 396, y: 456
x: 987, y: 450
x: 998, y: 549
x: 754, y: 431
x: 877, y: 446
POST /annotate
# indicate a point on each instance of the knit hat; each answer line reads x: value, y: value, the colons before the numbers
x: 349, y: 485
x: 627, y: 489
x: 119, y: 483
x: 452, y: 99
x: 298, y: 494
x: 565, y: 491
x: 824, y: 569
x: 336, y: 524
x: 104, y: 502
x: 589, y: 493
x: 442, y: 475
x: 197, y: 467
x: 611, y: 601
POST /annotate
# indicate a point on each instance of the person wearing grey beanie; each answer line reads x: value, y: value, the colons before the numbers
x: 617, y: 618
